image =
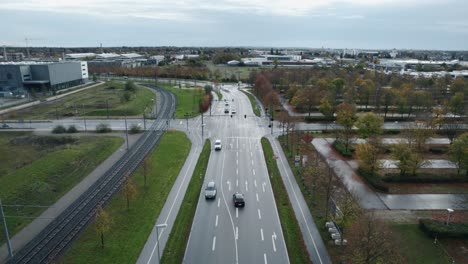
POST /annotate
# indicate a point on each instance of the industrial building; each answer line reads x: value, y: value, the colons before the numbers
x: 22, y: 77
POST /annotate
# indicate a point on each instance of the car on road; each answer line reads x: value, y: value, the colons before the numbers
x: 233, y: 111
x: 226, y: 110
x: 217, y: 145
x: 5, y: 126
x: 210, y: 190
x: 238, y: 199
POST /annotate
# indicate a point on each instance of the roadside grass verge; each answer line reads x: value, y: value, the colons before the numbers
x: 177, y: 242
x: 419, y: 248
x: 38, y: 170
x: 130, y: 229
x: 91, y: 102
x: 220, y: 95
x: 255, y: 108
x: 292, y: 233
x: 188, y: 100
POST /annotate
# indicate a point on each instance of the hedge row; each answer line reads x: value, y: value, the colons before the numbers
x: 439, y: 229
x: 424, y: 178
x: 341, y: 148
x: 374, y: 180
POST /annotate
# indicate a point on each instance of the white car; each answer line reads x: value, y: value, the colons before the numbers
x: 217, y: 145
x: 233, y: 111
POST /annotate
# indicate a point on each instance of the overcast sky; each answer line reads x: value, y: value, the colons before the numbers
x: 367, y: 24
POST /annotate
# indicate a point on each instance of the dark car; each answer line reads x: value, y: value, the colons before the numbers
x: 238, y: 199
x: 5, y: 126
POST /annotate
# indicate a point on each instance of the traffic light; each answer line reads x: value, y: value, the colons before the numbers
x: 231, y: 116
x: 245, y: 116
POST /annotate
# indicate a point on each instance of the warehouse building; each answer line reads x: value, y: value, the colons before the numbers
x: 21, y: 77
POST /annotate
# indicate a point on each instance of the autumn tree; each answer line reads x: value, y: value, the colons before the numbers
x: 129, y: 191
x: 349, y: 212
x: 369, y: 125
x: 372, y: 242
x: 346, y: 116
x: 459, y: 153
x: 408, y: 161
x: 417, y: 134
x: 367, y: 155
x: 102, y: 223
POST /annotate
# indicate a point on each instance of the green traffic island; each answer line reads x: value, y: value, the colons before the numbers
x: 119, y: 232
x: 38, y: 170
x: 297, y: 250
x: 176, y: 244
x: 112, y: 99
x: 253, y: 102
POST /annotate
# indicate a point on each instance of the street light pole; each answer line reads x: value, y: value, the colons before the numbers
x: 157, y: 235
x: 5, y: 228
x: 202, y: 124
x: 126, y: 130
x: 449, y: 211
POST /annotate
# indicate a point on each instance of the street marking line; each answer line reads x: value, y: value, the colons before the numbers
x: 257, y: 196
x: 237, y: 212
x: 265, y: 258
x: 259, y: 214
x: 214, y: 244
x: 255, y: 183
x: 253, y: 171
x: 246, y: 186
x: 273, y: 239
x: 237, y: 183
x: 263, y: 186
x: 237, y: 161
x: 261, y: 234
x: 237, y: 171
x: 216, y: 222
x: 219, y: 202
x: 237, y: 233
x: 252, y: 163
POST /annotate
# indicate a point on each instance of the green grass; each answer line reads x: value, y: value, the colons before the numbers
x: 188, y: 100
x: 220, y: 95
x: 292, y: 233
x: 91, y: 102
x: 227, y: 71
x: 36, y: 173
x: 177, y: 242
x: 130, y: 229
x: 418, y: 247
x: 255, y: 108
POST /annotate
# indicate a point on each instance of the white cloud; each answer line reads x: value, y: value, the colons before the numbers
x: 183, y: 9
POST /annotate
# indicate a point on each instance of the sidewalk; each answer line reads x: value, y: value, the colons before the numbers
x: 35, y: 227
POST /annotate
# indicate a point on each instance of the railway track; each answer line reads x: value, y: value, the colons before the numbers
x: 59, y: 234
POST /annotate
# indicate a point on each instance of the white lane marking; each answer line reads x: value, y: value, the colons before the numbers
x: 252, y: 162
x: 257, y: 196
x: 253, y: 171
x: 229, y: 183
x: 255, y: 183
x: 216, y: 222
x: 237, y: 154
x: 261, y: 234
x: 237, y: 233
x: 264, y: 258
x: 219, y: 202
x: 251, y: 154
x: 237, y: 171
x: 214, y: 244
x: 259, y: 214
x: 263, y: 186
x: 273, y: 239
x: 237, y: 183
x: 237, y: 143
x: 237, y: 162
x: 246, y: 186
x: 237, y: 212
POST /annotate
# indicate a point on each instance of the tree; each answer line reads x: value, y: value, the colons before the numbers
x: 459, y: 153
x: 369, y: 125
x: 102, y: 223
x: 130, y: 87
x: 417, y: 134
x: 146, y: 167
x: 407, y: 159
x: 346, y: 116
x: 349, y: 211
x: 372, y: 242
x: 457, y: 106
x: 326, y: 108
x: 368, y: 157
x: 129, y: 191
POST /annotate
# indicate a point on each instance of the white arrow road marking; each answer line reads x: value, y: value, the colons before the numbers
x: 237, y: 154
x: 237, y: 183
x: 259, y: 214
x: 246, y: 186
x: 214, y: 244
x: 263, y: 186
x: 251, y: 154
x: 261, y: 234
x: 237, y: 161
x: 256, y: 194
x: 216, y: 222
x: 273, y: 239
x: 229, y: 183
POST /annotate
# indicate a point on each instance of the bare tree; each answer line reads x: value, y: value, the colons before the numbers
x: 102, y: 223
x: 129, y: 191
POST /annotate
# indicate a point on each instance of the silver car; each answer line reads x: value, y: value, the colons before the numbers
x: 210, y: 190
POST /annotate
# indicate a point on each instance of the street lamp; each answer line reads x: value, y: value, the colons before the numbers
x: 449, y: 211
x: 157, y: 236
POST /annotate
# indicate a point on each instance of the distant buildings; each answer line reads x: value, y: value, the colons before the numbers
x: 284, y: 60
x: 21, y: 77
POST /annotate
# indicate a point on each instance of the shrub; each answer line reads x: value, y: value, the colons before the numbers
x: 126, y: 97
x: 439, y: 229
x: 103, y: 128
x: 392, y: 131
x: 59, y: 129
x: 135, y: 129
x: 374, y: 180
x: 341, y: 148
x: 438, y: 150
x: 72, y: 129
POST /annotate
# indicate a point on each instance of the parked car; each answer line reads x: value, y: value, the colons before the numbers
x: 238, y: 199
x: 5, y: 126
x: 217, y: 145
x: 210, y: 190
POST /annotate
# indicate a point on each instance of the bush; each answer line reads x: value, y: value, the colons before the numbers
x: 103, y: 128
x: 392, y: 131
x: 341, y: 148
x: 440, y: 230
x: 59, y: 129
x: 374, y: 180
x: 72, y: 129
x: 438, y: 150
x: 135, y: 129
x: 424, y: 178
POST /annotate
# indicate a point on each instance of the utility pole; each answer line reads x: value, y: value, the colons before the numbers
x: 5, y: 228
x: 84, y: 118
x: 126, y: 130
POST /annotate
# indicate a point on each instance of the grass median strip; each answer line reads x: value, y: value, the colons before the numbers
x: 130, y: 228
x: 292, y: 233
x: 177, y: 242
x: 255, y: 108
x: 188, y: 100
